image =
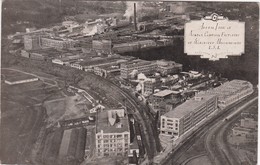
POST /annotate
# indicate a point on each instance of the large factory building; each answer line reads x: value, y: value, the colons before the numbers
x: 184, y: 117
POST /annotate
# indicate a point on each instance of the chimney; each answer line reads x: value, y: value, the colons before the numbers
x: 135, y: 16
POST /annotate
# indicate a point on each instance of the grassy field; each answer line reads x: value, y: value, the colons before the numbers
x: 22, y: 118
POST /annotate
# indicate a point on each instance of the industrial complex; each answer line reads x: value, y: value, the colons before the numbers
x: 98, y: 104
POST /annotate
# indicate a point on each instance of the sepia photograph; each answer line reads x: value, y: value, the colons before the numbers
x: 129, y: 82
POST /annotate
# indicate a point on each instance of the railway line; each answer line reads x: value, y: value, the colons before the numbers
x: 182, y: 147
x: 150, y: 141
x: 216, y: 142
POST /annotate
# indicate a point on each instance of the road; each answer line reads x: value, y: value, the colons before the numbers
x: 186, y: 143
x: 216, y: 144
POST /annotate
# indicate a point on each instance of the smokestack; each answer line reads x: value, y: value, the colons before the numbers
x: 135, y: 16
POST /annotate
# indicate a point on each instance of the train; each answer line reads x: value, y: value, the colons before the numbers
x: 78, y: 122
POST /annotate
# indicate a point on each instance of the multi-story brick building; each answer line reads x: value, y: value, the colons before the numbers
x: 151, y: 84
x: 112, y: 133
x: 142, y: 66
x: 32, y: 42
x: 188, y: 114
x: 38, y: 41
x: 57, y: 43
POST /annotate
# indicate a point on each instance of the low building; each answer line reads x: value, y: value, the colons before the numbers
x: 20, y: 79
x: 25, y: 54
x: 240, y: 131
x: 232, y: 91
x: 249, y: 123
x: 133, y: 153
x: 169, y: 80
x: 165, y: 42
x: 134, y: 148
x: 168, y: 67
x: 163, y: 101
x: 69, y: 23
x: 142, y: 66
x: 37, y: 56
x: 76, y: 65
x: 75, y: 28
x: 112, y: 133
x: 133, y: 46
x: 185, y: 116
x: 161, y: 96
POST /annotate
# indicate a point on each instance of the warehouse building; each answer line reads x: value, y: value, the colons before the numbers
x: 185, y: 116
x: 142, y: 66
x: 112, y: 133
x: 20, y: 79
x: 232, y: 91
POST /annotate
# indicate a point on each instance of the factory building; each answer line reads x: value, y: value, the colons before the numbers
x: 103, y: 45
x: 134, y: 46
x: 112, y: 133
x: 38, y: 41
x: 57, y: 43
x: 232, y: 91
x: 168, y: 67
x: 141, y: 66
x: 185, y: 116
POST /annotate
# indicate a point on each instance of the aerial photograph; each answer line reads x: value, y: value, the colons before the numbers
x: 129, y: 82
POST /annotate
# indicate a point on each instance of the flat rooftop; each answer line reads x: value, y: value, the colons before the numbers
x: 230, y: 87
x: 137, y: 62
x: 243, y: 129
x: 98, y: 61
x: 163, y: 93
x: 103, y: 123
x: 189, y: 106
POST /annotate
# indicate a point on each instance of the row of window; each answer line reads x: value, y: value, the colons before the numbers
x: 113, y: 145
x: 112, y: 136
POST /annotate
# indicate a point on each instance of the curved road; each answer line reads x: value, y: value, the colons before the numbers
x: 216, y: 144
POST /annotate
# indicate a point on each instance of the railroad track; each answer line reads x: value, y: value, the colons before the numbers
x: 182, y: 147
x: 136, y: 109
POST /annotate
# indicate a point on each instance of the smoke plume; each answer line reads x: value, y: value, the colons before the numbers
x: 130, y: 8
